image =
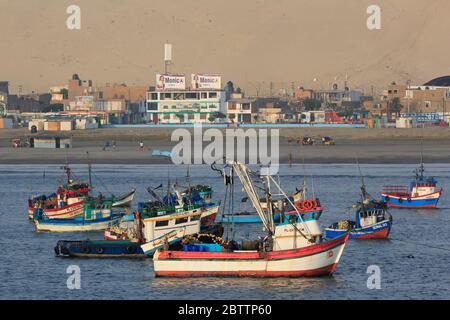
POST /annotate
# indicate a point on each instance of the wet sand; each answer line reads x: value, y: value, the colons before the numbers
x: 368, y: 145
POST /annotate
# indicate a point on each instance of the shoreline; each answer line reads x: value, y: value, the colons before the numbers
x: 370, y: 146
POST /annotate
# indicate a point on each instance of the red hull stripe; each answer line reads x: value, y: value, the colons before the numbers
x: 382, y: 234
x: 430, y: 206
x: 63, y: 208
x: 325, y: 271
x: 412, y: 198
x: 274, y: 255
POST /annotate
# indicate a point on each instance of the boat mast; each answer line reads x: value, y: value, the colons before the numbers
x: 243, y: 175
x: 89, y: 170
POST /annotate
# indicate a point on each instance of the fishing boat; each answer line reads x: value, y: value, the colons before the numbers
x: 291, y: 248
x: 372, y: 221
x: 422, y: 193
x: 96, y: 216
x: 68, y: 201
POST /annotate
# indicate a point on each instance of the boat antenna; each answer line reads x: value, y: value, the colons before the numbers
x: 305, y: 182
x: 68, y: 171
x: 89, y: 170
x: 421, y: 167
x: 364, y: 194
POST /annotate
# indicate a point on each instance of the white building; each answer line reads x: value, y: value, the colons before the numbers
x: 171, y: 102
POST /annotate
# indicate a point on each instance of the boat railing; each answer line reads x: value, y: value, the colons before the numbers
x: 395, y: 189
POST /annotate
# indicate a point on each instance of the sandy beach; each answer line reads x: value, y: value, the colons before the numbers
x: 368, y: 145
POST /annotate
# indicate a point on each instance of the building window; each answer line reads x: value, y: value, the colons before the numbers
x: 166, y: 117
x: 166, y: 107
x: 178, y: 96
x: 191, y: 95
x: 154, y: 96
x: 213, y: 95
x: 204, y: 95
x: 203, y: 116
x: 246, y: 106
x: 174, y: 107
x: 152, y: 106
x: 190, y: 117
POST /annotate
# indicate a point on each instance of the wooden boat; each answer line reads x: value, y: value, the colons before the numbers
x: 67, y: 202
x: 124, y: 201
x: 99, y: 249
x: 97, y: 216
x: 422, y: 193
x: 170, y: 225
x: 372, y: 220
x: 292, y: 248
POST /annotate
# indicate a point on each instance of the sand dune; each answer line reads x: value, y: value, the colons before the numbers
x: 252, y: 42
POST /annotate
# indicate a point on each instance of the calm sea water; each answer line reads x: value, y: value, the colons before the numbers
x: 414, y: 262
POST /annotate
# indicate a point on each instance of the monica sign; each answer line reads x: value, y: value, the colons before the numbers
x: 206, y: 81
x: 170, y: 82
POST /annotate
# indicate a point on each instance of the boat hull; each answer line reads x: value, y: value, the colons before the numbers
x: 209, y: 215
x: 74, y: 225
x: 381, y: 230
x: 68, y: 212
x: 99, y: 249
x: 428, y: 201
x: 124, y: 201
x: 313, y: 261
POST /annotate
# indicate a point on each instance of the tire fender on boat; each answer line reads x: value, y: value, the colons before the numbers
x: 100, y: 250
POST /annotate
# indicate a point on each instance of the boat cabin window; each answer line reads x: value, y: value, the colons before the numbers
x: 181, y: 220
x: 162, y: 223
x: 195, y: 218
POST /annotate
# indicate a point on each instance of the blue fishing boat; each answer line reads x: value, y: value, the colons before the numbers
x: 372, y: 221
x: 422, y: 193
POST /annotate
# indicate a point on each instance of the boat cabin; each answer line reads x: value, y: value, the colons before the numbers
x: 423, y: 187
x: 369, y: 217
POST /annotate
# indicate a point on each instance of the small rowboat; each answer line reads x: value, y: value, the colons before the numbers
x: 99, y: 249
x: 125, y: 200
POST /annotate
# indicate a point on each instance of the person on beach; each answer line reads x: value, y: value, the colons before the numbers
x: 141, y: 145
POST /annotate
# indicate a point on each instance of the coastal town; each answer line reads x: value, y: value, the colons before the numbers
x: 175, y: 99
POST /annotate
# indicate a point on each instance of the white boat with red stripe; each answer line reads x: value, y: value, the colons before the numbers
x: 293, y: 248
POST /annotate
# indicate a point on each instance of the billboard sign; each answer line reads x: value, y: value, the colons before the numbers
x: 170, y: 82
x: 84, y: 103
x: 206, y: 81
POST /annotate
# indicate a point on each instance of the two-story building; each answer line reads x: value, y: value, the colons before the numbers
x: 239, y: 108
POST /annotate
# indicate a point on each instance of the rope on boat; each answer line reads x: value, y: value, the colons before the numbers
x: 420, y: 244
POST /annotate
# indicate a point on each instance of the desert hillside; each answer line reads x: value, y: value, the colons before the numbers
x: 252, y: 42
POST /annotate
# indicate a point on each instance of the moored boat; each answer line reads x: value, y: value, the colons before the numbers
x: 292, y: 248
x: 422, y: 193
x: 96, y: 217
x: 372, y: 221
x: 99, y: 249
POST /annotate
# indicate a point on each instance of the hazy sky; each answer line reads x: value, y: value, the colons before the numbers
x: 251, y: 42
